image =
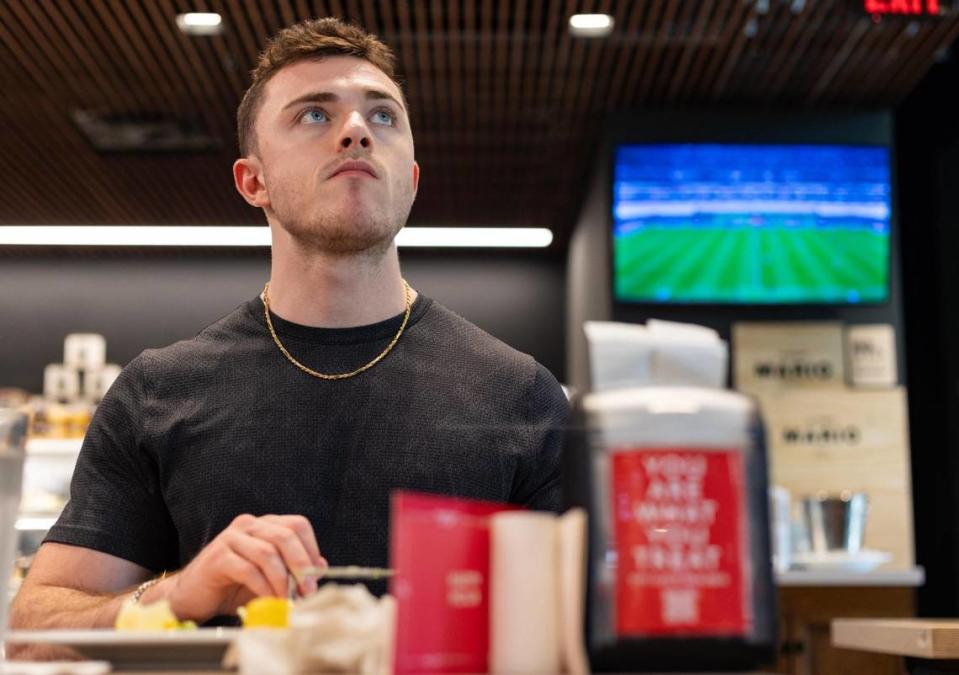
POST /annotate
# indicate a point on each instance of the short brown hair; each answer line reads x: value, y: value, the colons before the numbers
x: 310, y: 39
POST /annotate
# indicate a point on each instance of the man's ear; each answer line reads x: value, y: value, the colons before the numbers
x: 416, y: 178
x: 248, y: 178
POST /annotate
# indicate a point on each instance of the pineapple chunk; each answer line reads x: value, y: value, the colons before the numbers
x: 155, y: 616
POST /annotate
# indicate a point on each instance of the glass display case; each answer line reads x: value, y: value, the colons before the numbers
x: 47, y: 472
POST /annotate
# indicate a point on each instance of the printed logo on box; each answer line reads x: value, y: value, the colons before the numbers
x: 682, y: 543
x: 794, y: 370
x: 872, y: 355
x: 822, y: 434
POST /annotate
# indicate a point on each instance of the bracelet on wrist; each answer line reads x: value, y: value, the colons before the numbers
x: 142, y: 588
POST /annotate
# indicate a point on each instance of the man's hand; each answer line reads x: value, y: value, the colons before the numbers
x: 251, y: 557
x: 77, y: 587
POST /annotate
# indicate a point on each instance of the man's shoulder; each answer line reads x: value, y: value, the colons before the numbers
x: 473, y: 354
x: 467, y: 340
x: 506, y: 385
x: 206, y: 349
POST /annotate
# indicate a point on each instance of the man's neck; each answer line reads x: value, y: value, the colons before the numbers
x: 313, y: 289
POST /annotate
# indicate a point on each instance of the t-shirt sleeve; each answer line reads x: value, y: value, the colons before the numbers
x: 116, y: 504
x: 538, y: 482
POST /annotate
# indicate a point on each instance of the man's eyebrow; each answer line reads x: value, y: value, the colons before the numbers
x: 330, y: 97
x: 377, y: 95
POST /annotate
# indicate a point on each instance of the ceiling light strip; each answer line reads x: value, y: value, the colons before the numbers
x: 239, y: 236
x: 591, y: 25
x: 475, y: 237
x: 200, y: 18
x: 200, y: 23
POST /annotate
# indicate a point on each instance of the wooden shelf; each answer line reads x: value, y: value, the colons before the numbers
x: 920, y: 638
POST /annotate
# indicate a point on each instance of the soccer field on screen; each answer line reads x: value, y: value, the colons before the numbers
x: 750, y: 264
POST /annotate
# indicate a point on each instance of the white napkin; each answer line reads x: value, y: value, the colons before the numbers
x: 339, y: 629
x: 661, y: 353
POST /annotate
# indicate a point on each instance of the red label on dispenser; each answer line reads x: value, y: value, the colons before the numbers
x: 681, y: 543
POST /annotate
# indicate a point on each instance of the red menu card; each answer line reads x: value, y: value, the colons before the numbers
x: 440, y: 551
x: 681, y: 543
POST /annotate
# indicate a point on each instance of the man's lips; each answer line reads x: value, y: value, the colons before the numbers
x: 354, y: 168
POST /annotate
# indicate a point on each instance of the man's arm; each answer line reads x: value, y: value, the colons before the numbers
x: 537, y: 483
x: 72, y: 586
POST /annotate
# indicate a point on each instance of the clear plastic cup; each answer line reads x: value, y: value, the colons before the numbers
x: 836, y: 522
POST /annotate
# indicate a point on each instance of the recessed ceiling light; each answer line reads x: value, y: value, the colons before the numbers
x: 236, y: 236
x: 200, y: 23
x: 590, y: 25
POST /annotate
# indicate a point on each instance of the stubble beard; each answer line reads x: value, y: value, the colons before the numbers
x: 342, y: 231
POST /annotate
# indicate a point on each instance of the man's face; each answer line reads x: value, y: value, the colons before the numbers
x: 323, y: 128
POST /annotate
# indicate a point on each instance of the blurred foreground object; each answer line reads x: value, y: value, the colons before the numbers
x: 338, y: 629
x: 675, y: 482
x: 503, y: 588
x: 672, y: 471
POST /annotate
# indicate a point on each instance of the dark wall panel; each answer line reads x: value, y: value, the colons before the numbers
x: 139, y: 300
x: 927, y: 130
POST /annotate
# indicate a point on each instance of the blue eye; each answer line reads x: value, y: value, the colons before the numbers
x: 314, y: 115
x: 384, y: 117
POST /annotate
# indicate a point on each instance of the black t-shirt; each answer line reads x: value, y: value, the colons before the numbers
x: 194, y: 434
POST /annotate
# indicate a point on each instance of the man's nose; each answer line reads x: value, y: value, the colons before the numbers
x: 355, y: 133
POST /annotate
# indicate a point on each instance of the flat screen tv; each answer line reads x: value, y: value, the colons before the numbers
x: 751, y: 224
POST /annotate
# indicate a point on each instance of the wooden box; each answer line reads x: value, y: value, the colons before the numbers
x: 788, y: 355
x: 835, y: 440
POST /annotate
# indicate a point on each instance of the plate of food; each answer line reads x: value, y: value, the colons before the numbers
x: 149, y: 637
x: 196, y: 649
x: 145, y: 637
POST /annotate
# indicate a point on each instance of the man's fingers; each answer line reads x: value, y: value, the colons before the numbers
x: 304, y: 530
x: 265, y: 557
x: 288, y: 543
x: 244, y: 572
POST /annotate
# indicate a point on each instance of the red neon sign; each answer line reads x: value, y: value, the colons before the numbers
x: 907, y: 7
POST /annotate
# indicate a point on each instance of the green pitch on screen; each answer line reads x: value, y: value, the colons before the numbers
x: 751, y: 265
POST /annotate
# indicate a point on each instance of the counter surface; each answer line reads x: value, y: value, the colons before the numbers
x: 913, y: 576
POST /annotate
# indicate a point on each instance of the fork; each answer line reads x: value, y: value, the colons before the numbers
x: 345, y: 572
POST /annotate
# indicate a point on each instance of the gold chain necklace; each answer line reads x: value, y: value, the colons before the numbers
x: 336, y: 376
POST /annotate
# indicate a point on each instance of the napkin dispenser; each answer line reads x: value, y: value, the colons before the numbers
x: 674, y: 480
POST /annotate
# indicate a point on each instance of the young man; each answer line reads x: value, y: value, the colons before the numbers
x: 317, y: 399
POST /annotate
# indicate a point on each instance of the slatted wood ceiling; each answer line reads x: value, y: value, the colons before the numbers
x: 505, y: 103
